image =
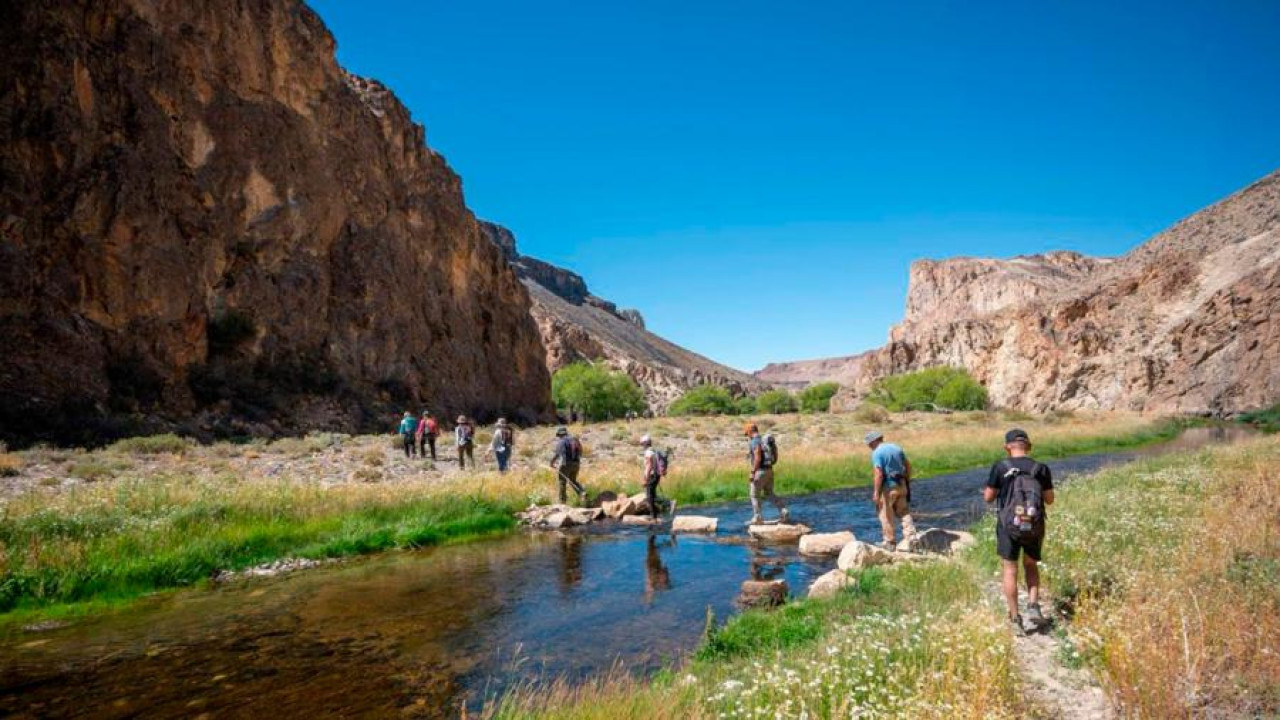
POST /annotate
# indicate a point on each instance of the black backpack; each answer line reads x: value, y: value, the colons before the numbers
x: 572, y: 450
x: 1022, y: 515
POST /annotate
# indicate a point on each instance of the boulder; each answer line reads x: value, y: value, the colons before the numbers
x: 694, y: 524
x: 857, y: 555
x: 832, y: 583
x: 937, y: 540
x: 557, y: 520
x: 825, y: 543
x: 584, y: 516
x: 640, y: 504
x: 617, y: 508
x: 763, y: 594
x: 780, y: 533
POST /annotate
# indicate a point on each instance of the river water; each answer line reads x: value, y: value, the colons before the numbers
x: 418, y: 633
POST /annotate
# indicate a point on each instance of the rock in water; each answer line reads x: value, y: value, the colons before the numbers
x: 694, y: 524
x: 617, y: 508
x: 825, y: 543
x: 857, y: 555
x: 937, y: 540
x: 763, y: 594
x: 639, y: 520
x: 780, y: 533
x: 240, y: 228
x: 831, y: 583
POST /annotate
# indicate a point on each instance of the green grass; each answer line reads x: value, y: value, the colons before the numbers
x: 710, y: 485
x: 1267, y: 420
x: 125, y: 551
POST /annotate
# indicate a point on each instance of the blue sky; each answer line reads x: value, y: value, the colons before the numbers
x: 756, y: 177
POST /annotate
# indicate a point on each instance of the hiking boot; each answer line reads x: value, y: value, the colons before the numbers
x: 1015, y: 622
x: 1034, y: 615
x: 755, y: 520
x: 888, y: 545
x: 784, y: 516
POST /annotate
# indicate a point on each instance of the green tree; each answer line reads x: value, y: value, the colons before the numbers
x: 946, y: 387
x: 776, y: 402
x: 595, y: 392
x: 703, y: 400
x: 817, y: 398
x: 745, y: 405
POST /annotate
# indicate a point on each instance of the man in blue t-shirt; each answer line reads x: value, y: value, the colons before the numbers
x: 891, y: 488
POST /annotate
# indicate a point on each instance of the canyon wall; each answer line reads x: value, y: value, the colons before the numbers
x: 207, y: 224
x: 578, y: 326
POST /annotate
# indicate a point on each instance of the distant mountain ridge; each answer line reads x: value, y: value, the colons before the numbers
x: 1188, y: 321
x: 578, y: 326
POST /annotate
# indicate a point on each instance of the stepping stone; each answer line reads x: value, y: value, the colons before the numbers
x: 779, y: 533
x: 825, y: 543
x: 694, y: 524
x: 763, y: 594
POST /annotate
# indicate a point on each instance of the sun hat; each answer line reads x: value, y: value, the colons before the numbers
x: 562, y: 431
x: 462, y: 418
x: 646, y: 440
x: 872, y: 436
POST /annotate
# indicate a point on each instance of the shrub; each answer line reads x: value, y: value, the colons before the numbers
x: 817, y: 398
x: 1267, y: 420
x: 151, y: 444
x: 745, y: 405
x: 10, y: 465
x: 923, y: 390
x: 595, y: 392
x: 92, y: 471
x: 871, y: 413
x: 703, y: 400
x: 776, y: 402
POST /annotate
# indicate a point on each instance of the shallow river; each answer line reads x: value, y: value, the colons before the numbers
x: 417, y: 633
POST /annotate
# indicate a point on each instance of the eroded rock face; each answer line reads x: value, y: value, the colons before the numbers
x: 1185, y: 322
x: 578, y: 326
x: 205, y: 220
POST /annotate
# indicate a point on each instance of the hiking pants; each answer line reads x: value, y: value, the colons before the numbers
x: 427, y: 442
x: 408, y: 444
x: 761, y: 488
x: 651, y: 497
x: 893, y: 504
x: 467, y: 452
x: 568, y: 475
x: 504, y: 459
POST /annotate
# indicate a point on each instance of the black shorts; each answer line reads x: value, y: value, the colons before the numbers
x: 1008, y: 548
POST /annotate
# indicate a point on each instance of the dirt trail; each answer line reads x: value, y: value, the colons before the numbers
x: 1060, y: 692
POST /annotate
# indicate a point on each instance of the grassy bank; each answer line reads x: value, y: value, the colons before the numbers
x: 153, y: 514
x: 1175, y: 609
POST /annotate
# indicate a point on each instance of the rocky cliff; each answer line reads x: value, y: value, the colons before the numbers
x: 1187, y: 322
x: 800, y: 374
x: 577, y: 326
x: 205, y: 222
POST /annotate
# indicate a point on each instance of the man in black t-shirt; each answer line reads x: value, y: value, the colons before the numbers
x: 1018, y: 447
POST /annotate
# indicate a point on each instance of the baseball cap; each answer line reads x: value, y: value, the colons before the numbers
x: 1015, y: 435
x: 562, y: 431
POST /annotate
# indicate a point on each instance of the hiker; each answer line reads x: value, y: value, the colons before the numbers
x: 761, y: 454
x: 464, y: 434
x: 567, y: 460
x: 1021, y: 488
x: 891, y: 488
x: 655, y: 467
x: 503, y: 441
x: 428, y: 431
x: 407, y: 427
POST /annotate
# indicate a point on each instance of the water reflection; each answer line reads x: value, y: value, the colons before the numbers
x: 570, y: 547
x: 657, y: 578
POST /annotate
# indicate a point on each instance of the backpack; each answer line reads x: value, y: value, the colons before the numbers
x: 1022, y: 514
x: 661, y: 461
x: 770, y: 448
x: 504, y: 437
x: 433, y: 428
x: 573, y: 450
x: 465, y: 432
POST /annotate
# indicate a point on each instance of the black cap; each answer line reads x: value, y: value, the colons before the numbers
x: 1015, y: 435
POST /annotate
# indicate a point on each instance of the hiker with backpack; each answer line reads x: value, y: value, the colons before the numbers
x: 465, y: 437
x: 567, y: 460
x: 1021, y: 489
x: 503, y: 442
x: 408, y: 424
x: 762, y: 454
x: 891, y: 488
x: 428, y: 431
x: 655, y: 468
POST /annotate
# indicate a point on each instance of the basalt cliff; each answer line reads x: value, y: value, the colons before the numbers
x: 207, y: 224
x: 579, y: 326
x: 1189, y: 321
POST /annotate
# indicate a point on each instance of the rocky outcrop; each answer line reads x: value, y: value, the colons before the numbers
x: 578, y: 326
x: 800, y: 374
x: 1186, y: 322
x: 206, y: 223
